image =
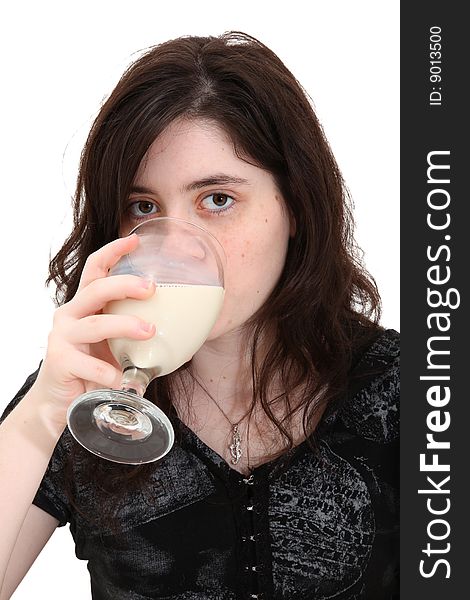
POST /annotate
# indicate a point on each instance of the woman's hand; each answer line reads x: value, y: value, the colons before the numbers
x: 78, y: 358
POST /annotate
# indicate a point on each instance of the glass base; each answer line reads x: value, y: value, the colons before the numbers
x: 120, y: 426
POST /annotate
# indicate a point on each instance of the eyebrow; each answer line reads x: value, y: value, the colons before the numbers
x: 216, y: 179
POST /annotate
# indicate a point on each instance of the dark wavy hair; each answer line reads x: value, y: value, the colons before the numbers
x: 325, y: 307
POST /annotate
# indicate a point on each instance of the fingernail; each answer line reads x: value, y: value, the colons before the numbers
x: 147, y: 327
x: 146, y: 283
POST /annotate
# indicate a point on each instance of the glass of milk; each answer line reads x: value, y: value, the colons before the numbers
x: 187, y: 265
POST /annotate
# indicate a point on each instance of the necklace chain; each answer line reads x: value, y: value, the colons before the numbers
x: 235, y: 447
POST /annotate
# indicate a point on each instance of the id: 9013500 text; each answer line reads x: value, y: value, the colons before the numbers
x: 435, y: 65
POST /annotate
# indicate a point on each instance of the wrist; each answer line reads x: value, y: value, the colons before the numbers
x: 37, y: 419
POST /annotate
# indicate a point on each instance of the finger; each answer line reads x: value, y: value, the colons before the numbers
x: 97, y: 328
x: 98, y: 264
x: 99, y: 292
x: 89, y: 368
x: 66, y: 367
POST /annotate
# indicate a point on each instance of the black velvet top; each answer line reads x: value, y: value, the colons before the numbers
x: 308, y: 525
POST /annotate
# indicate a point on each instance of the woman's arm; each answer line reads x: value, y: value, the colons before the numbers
x: 35, y: 532
x: 27, y: 440
x: 77, y: 357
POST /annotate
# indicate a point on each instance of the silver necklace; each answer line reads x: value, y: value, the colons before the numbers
x: 235, y: 447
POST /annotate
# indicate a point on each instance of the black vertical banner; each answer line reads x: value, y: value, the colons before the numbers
x: 435, y: 226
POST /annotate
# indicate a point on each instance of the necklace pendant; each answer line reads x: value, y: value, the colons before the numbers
x: 236, y: 446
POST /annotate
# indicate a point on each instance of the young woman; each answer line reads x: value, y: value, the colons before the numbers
x: 218, y: 132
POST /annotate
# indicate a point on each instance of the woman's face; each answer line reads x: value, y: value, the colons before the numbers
x: 191, y: 172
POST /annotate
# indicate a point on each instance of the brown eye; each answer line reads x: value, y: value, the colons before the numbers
x: 218, y: 201
x: 145, y: 207
x: 141, y: 209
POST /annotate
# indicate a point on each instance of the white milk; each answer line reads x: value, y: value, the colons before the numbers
x: 183, y: 316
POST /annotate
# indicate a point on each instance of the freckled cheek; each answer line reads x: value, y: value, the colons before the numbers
x: 246, y: 267
x: 232, y: 242
x: 237, y: 259
x: 255, y: 255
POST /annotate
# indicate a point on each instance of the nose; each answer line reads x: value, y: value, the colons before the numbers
x: 180, y: 239
x: 179, y: 244
x: 173, y: 251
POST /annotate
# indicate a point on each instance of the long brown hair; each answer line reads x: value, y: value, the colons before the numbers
x: 325, y: 307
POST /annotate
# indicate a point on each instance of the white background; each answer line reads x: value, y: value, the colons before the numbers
x: 59, y: 60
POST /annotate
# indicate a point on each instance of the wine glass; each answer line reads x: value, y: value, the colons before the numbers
x: 187, y: 265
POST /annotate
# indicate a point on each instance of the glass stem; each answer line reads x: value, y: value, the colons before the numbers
x: 135, y: 380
